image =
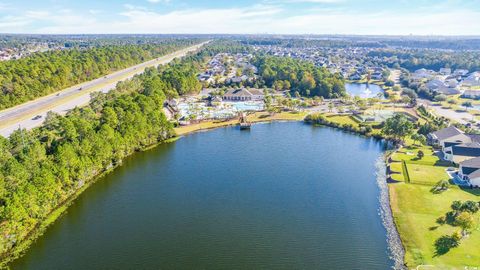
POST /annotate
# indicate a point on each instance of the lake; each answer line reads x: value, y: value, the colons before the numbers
x: 280, y: 196
x: 363, y: 90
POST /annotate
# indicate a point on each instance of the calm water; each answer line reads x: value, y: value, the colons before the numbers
x: 281, y: 196
x: 363, y: 90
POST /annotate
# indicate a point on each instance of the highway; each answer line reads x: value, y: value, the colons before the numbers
x: 32, y: 114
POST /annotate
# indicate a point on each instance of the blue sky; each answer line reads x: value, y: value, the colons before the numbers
x: 393, y: 17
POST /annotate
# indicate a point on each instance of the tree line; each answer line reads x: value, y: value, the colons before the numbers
x: 44, y: 73
x: 429, y: 59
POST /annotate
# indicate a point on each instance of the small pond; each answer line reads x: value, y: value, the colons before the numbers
x: 364, y: 90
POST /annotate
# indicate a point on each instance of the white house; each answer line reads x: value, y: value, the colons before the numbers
x: 244, y: 94
x: 470, y: 171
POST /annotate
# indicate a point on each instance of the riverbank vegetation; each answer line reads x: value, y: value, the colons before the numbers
x: 44, y: 73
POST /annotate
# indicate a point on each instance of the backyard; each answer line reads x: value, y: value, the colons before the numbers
x: 416, y: 210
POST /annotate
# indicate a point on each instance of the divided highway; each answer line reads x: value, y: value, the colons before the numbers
x: 32, y: 114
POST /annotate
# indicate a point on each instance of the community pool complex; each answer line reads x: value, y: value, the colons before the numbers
x: 222, y: 110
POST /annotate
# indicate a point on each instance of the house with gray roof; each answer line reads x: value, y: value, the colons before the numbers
x: 455, y: 144
x: 438, y: 137
x: 470, y: 171
x: 243, y: 94
x: 464, y: 151
x: 473, y: 94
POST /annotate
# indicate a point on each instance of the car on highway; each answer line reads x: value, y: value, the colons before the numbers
x: 80, y: 89
x: 37, y: 117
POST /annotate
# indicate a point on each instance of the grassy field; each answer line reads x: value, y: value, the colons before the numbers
x: 343, y: 119
x: 416, y: 209
x: 426, y: 174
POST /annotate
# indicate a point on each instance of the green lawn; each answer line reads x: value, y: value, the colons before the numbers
x: 343, y: 119
x: 409, y: 154
x: 415, y: 211
x: 426, y: 174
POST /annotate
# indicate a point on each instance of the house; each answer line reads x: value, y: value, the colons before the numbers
x: 470, y: 171
x: 472, y: 80
x: 473, y: 94
x: 441, y: 87
x: 464, y: 151
x: 455, y: 144
x: 438, y: 138
x: 243, y: 94
x: 452, y: 83
x: 434, y: 84
x: 377, y: 76
x: 355, y: 77
x: 445, y: 71
x: 461, y: 72
x: 448, y: 91
x: 422, y: 73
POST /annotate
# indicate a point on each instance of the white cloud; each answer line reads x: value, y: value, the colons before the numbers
x: 261, y: 18
x: 159, y: 1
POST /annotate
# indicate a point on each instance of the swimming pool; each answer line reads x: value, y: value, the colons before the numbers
x: 221, y: 111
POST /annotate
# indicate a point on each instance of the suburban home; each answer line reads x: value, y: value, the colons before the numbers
x: 452, y: 83
x: 441, y: 87
x: 461, y: 72
x: 445, y: 71
x: 438, y: 138
x: 448, y: 91
x: 422, y: 73
x: 462, y: 152
x: 377, y: 76
x: 472, y: 80
x: 455, y: 144
x: 243, y: 94
x: 473, y: 94
x: 470, y: 171
x: 355, y: 77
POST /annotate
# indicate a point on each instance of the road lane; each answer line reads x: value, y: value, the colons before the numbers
x: 32, y: 114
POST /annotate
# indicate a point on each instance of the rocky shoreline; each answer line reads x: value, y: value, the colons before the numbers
x: 395, y: 246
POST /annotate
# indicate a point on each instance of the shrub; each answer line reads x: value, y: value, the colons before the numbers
x: 445, y: 243
x: 441, y: 220
x: 456, y: 205
x: 440, y: 98
x: 440, y: 186
x: 470, y: 206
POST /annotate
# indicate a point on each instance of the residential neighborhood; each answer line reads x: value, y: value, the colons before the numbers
x: 225, y: 68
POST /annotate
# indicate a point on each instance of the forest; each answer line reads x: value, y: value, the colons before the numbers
x: 43, y: 168
x: 44, y: 73
x: 429, y: 59
x: 284, y: 73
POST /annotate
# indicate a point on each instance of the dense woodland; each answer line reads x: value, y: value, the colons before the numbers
x: 429, y: 59
x: 44, y: 73
x: 284, y: 73
x: 43, y: 168
x: 413, y: 42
